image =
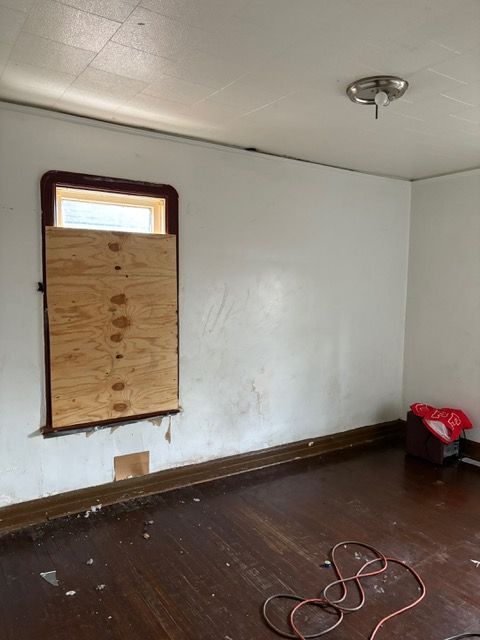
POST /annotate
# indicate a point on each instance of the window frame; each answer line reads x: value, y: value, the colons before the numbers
x: 157, y: 206
x: 48, y: 194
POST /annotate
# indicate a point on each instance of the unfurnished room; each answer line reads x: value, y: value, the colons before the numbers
x: 239, y: 319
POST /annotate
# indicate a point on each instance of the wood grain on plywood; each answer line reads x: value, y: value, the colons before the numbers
x: 112, y: 314
x: 91, y: 252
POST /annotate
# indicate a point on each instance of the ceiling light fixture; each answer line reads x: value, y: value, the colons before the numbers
x: 377, y: 90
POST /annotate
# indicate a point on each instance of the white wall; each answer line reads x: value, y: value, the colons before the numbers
x: 292, y: 300
x: 442, y: 349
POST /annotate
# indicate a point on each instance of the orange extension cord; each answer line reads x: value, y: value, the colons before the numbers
x: 336, y: 607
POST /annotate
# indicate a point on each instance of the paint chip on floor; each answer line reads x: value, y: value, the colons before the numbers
x: 50, y: 577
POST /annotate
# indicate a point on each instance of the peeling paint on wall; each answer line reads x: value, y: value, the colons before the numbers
x: 168, y: 433
x: 157, y: 422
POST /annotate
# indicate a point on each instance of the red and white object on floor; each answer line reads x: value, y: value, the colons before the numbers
x: 446, y: 424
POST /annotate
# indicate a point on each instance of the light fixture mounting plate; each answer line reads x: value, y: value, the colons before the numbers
x: 363, y: 91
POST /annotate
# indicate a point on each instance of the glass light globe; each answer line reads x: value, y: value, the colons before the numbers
x: 381, y: 99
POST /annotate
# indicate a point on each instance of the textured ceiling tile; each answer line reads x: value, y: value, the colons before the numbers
x: 465, y: 67
x: 241, y: 94
x: 471, y: 114
x: 212, y: 114
x: 164, y: 121
x: 70, y: 26
x: 196, y: 13
x: 308, y: 108
x: 154, y: 33
x: 323, y: 63
x: 403, y: 59
x: 33, y: 84
x: 234, y: 52
x: 41, y: 52
x: 156, y: 113
x: 80, y: 104
x: 457, y: 30
x: 456, y: 104
x: 76, y: 100
x: 177, y: 90
x: 294, y: 20
x: 4, y: 55
x: 461, y: 32
x: 409, y: 23
x: 11, y: 22
x: 468, y: 95
x: 201, y: 68
x: 100, y: 91
x: 19, y: 5
x: 427, y: 83
x: 280, y: 78
x: 118, y: 10
x: 245, y: 40
x: 432, y: 109
x: 167, y: 124
x: 99, y: 83
x: 149, y: 107
x: 468, y: 127
x: 132, y: 63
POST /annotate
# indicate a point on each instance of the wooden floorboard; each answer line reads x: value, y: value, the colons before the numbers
x: 217, y: 550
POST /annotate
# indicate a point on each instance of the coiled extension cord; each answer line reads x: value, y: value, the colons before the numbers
x: 337, y: 607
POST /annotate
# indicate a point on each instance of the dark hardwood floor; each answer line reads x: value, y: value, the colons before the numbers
x: 217, y: 550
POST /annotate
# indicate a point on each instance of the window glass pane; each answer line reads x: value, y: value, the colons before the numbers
x: 102, y: 215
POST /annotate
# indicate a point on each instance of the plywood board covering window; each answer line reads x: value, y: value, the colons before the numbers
x: 111, y: 315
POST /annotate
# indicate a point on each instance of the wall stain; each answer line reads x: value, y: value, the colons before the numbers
x: 168, y: 433
x: 205, y: 326
x: 157, y: 422
x: 220, y: 309
x: 229, y: 311
x: 209, y: 326
x: 259, y: 397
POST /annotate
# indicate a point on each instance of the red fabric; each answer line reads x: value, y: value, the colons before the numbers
x: 446, y: 424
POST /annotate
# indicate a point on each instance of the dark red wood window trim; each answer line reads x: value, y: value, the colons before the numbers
x: 49, y: 183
